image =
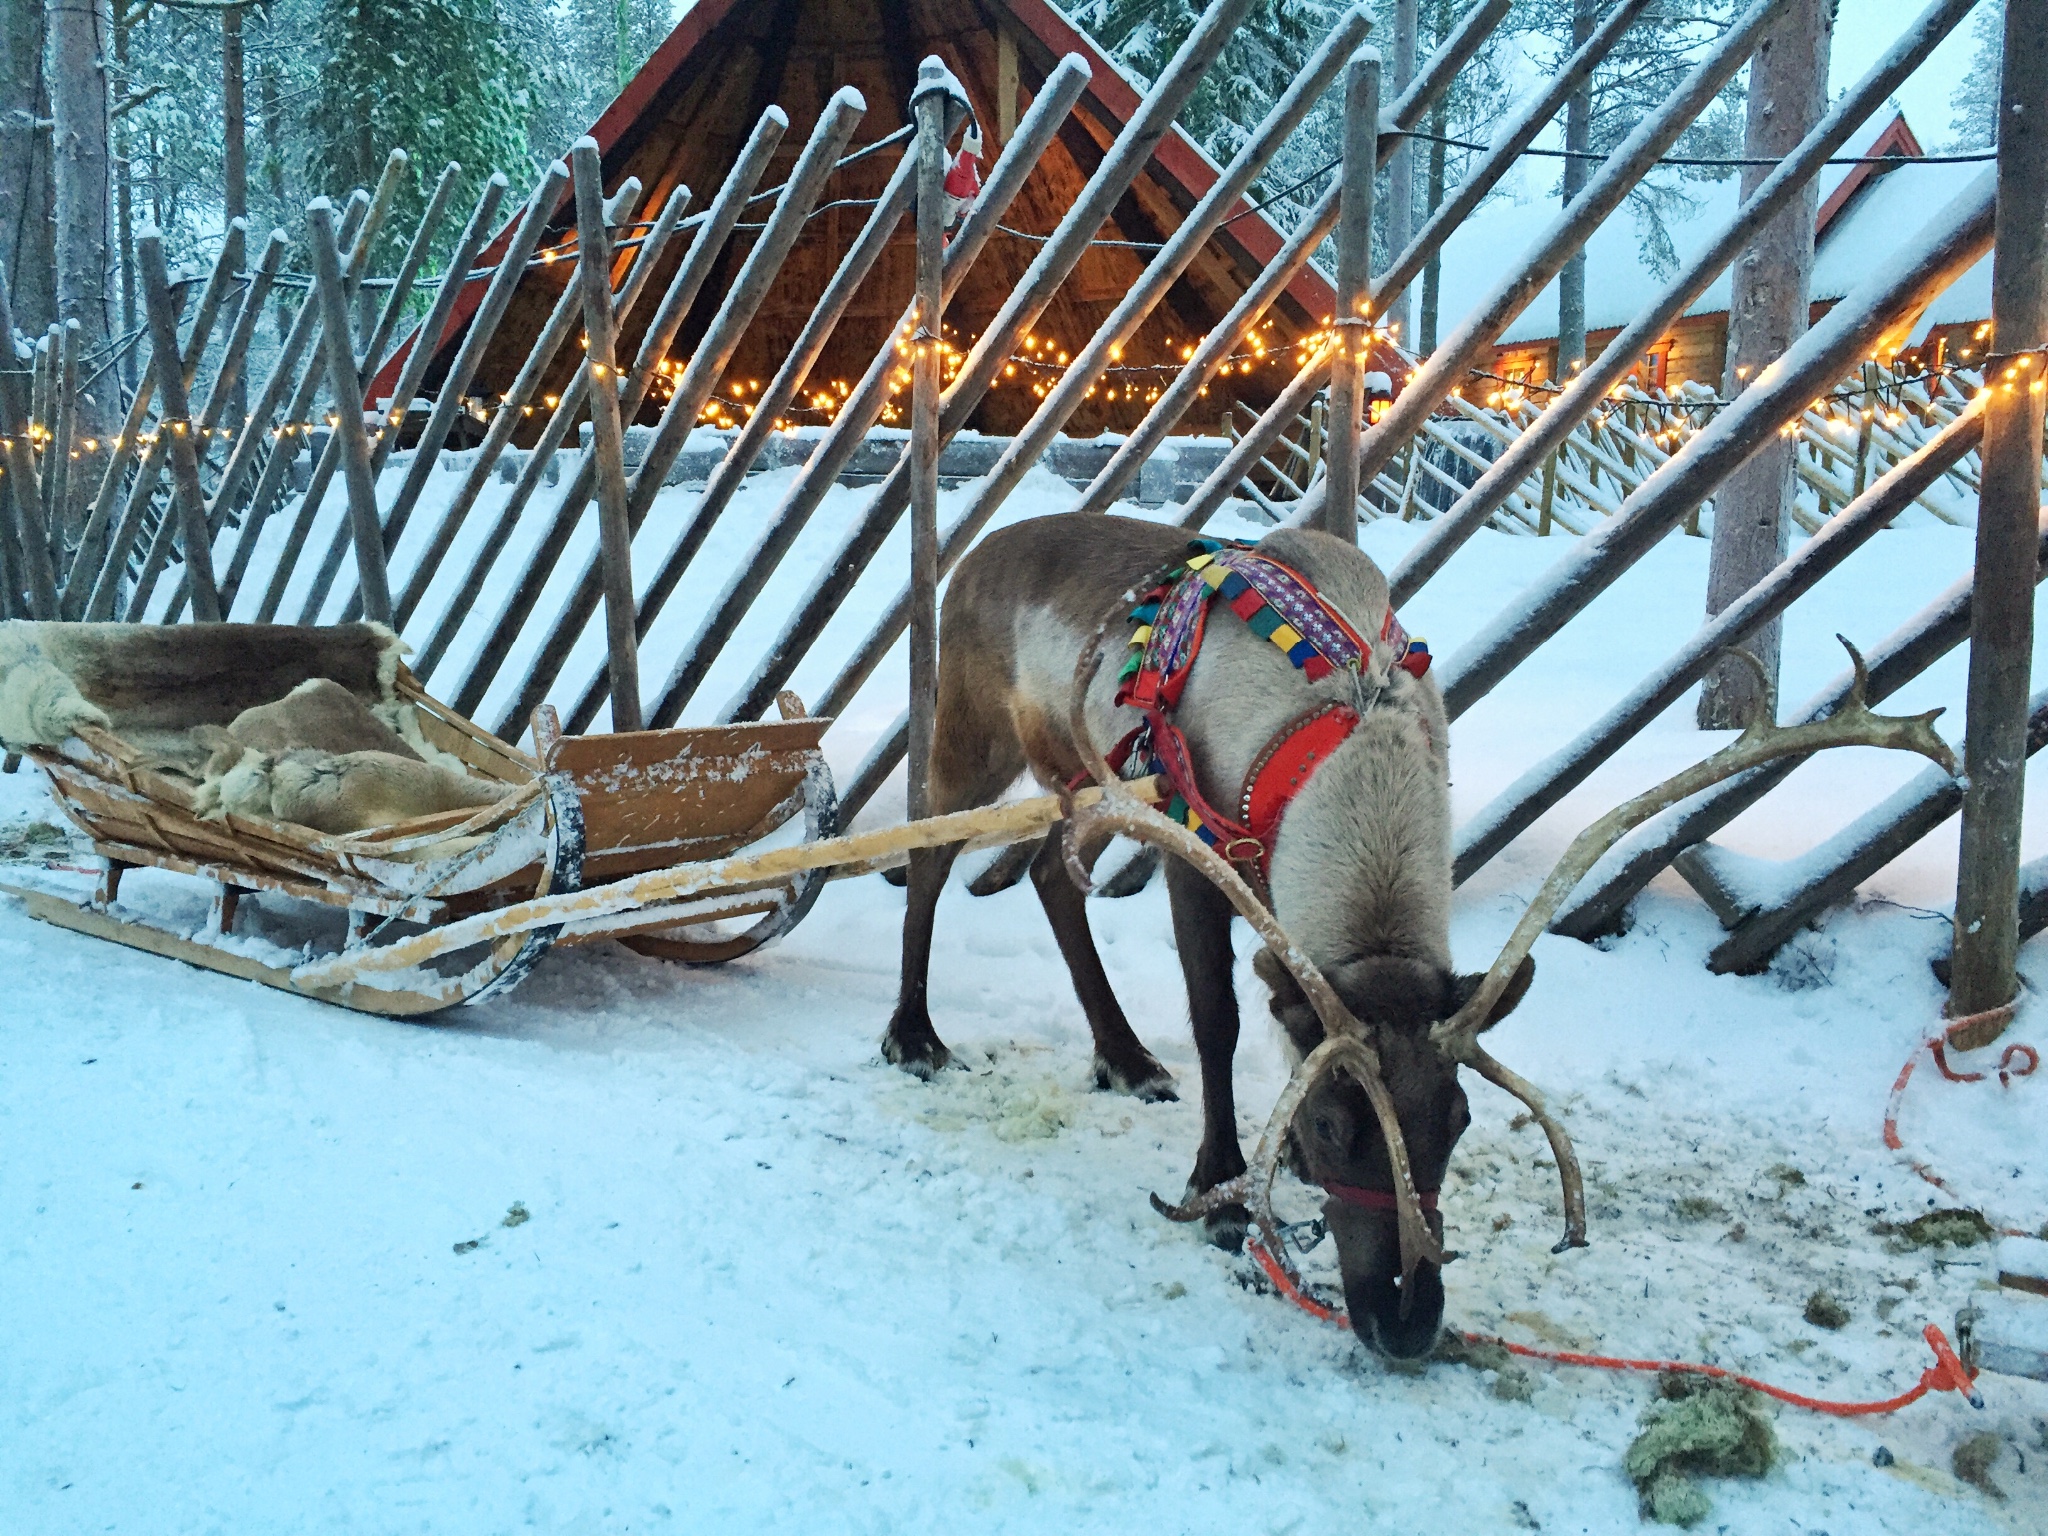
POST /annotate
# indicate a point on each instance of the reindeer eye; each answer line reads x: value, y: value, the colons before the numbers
x: 1325, y: 1129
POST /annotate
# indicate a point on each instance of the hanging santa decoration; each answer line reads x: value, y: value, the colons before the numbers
x: 963, y: 179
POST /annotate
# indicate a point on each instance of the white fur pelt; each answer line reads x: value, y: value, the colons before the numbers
x: 339, y: 792
x: 40, y: 705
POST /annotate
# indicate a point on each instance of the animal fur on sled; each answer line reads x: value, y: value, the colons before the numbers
x: 324, y: 759
x: 342, y: 792
x: 289, y: 722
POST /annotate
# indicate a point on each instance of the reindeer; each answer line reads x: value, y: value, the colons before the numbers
x: 1357, y: 884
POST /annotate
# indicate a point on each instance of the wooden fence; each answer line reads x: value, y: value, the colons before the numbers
x: 187, y: 514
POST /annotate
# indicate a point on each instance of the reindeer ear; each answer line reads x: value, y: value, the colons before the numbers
x: 1518, y: 986
x: 1278, y: 979
x: 1289, y: 1003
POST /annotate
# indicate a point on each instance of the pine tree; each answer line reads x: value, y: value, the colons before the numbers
x: 1649, y: 62
x: 438, y: 78
x: 1975, y: 102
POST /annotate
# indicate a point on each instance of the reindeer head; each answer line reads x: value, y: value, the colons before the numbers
x: 1394, y: 1035
x: 1336, y: 1144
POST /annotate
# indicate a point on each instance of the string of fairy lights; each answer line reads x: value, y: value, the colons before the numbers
x: 1039, y: 362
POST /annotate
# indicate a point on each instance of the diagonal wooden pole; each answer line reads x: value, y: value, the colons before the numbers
x: 187, y: 496
x: 607, y: 437
x: 345, y: 388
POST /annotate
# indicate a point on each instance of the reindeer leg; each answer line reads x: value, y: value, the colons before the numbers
x: 1121, y: 1060
x: 1201, y: 932
x: 911, y: 1043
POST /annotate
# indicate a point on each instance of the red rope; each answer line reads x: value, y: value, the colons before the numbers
x: 2015, y: 1062
x: 1947, y: 1374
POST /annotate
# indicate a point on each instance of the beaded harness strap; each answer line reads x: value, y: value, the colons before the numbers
x: 1278, y: 604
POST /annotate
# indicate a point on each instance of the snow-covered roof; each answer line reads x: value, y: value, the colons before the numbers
x: 1620, y: 284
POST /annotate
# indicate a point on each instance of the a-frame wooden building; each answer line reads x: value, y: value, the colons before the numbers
x: 684, y: 117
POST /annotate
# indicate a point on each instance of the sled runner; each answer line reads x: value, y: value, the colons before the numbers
x: 193, y: 750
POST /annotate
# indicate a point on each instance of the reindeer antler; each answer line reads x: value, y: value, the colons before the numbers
x: 1854, y: 724
x: 1345, y: 1046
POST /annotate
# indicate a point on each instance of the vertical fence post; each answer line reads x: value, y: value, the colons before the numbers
x: 935, y: 84
x: 1353, y: 326
x: 607, y: 439
x: 2002, y: 626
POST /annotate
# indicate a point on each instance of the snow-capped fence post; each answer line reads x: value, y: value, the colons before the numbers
x: 1101, y: 351
x: 1210, y: 353
x: 935, y: 86
x: 864, y: 403
x: 450, y: 402
x: 1121, y: 165
x: 516, y: 404
x: 713, y: 227
x: 188, y: 498
x: 64, y: 433
x: 256, y: 431
x: 2002, y: 634
x: 1946, y: 247
x: 345, y: 389
x: 270, y: 483
x: 819, y: 328
x: 607, y: 436
x: 1591, y: 388
x: 396, y: 297
x: 693, y: 387
x: 1353, y: 324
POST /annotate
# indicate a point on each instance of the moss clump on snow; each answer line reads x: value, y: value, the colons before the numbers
x: 1824, y: 1311
x: 1953, y: 1227
x: 1973, y: 1460
x: 1698, y: 1427
x: 31, y: 842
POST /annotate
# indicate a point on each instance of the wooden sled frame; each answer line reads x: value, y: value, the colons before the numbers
x: 605, y: 805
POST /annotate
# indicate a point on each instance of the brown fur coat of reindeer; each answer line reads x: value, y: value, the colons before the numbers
x: 1360, y: 875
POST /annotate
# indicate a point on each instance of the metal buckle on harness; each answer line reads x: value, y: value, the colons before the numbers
x: 1230, y: 850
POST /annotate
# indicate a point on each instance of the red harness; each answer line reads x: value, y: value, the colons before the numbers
x: 1288, y: 761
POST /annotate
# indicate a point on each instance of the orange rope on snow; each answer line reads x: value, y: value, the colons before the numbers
x: 1947, y: 1374
x: 2017, y: 1061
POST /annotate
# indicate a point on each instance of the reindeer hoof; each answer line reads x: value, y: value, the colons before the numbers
x: 916, y: 1048
x: 1147, y: 1080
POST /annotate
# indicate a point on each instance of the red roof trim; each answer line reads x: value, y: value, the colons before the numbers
x: 1897, y: 139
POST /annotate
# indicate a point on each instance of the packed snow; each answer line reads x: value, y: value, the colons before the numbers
x: 645, y: 1248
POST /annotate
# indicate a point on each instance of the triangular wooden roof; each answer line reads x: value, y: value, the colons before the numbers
x: 683, y: 118
x: 1897, y: 139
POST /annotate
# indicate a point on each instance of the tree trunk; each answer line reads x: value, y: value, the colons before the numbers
x: 81, y: 41
x: 1578, y: 137
x: 1401, y: 169
x: 234, y: 118
x: 1432, y: 274
x: 1787, y: 94
x: 26, y: 244
x: 124, y: 209
x: 273, y: 170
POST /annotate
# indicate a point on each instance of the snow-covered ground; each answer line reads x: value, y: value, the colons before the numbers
x: 642, y: 1248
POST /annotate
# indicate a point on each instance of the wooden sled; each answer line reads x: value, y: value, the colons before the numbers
x: 588, y: 809
x: 646, y: 837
